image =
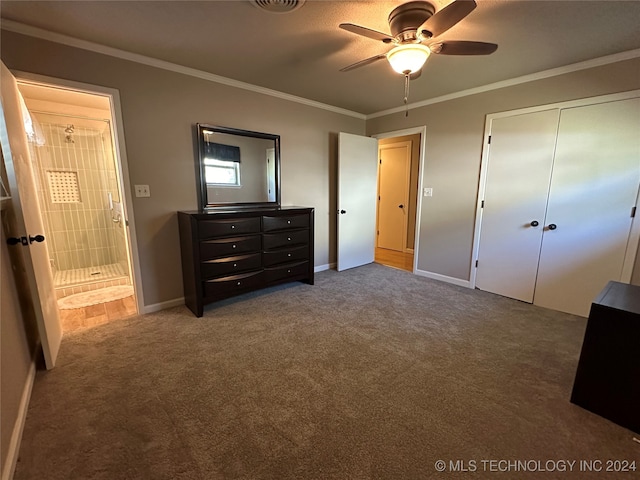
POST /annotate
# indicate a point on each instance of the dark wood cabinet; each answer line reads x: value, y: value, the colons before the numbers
x: 227, y: 253
x: 608, y: 376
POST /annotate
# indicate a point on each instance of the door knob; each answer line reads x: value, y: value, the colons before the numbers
x: 17, y: 240
x: 342, y: 212
x: 552, y: 226
x: 401, y: 206
x: 535, y: 223
x: 37, y: 238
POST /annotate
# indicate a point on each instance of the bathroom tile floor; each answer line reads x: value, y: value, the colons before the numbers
x: 87, y: 317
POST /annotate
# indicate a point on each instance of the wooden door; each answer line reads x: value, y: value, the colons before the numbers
x: 27, y: 220
x: 517, y: 183
x: 595, y: 182
x: 357, y: 185
x: 393, y: 195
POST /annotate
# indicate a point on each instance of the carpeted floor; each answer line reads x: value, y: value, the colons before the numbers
x: 373, y: 373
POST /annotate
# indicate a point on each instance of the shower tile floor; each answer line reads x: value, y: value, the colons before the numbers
x: 78, y: 276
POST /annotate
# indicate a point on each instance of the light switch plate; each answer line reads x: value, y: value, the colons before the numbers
x: 142, y: 190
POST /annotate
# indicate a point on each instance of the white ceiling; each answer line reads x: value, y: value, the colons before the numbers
x: 300, y: 53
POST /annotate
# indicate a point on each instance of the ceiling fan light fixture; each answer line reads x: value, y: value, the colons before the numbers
x: 408, y: 58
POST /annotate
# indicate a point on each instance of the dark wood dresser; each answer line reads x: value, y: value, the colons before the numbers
x: 608, y: 376
x: 230, y: 252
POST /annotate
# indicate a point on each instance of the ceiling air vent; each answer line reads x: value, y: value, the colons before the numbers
x: 278, y: 6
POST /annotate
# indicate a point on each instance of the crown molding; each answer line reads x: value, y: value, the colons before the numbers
x: 40, y: 33
x: 574, y: 67
x: 23, y: 29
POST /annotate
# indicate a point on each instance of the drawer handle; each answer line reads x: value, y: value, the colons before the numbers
x: 235, y: 264
x: 288, y: 254
x: 289, y: 222
x: 233, y: 226
x: 239, y: 283
x: 289, y: 271
x: 234, y: 246
x: 289, y: 238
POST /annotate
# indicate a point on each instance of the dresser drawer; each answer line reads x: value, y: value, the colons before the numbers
x: 285, y: 239
x: 281, y: 223
x: 228, y: 226
x: 285, y: 255
x: 229, y: 265
x: 233, y: 283
x: 285, y: 271
x: 223, y: 247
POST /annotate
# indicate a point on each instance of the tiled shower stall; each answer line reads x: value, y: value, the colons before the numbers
x: 82, y: 213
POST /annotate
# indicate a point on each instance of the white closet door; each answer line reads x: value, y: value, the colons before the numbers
x: 517, y: 183
x: 595, y: 181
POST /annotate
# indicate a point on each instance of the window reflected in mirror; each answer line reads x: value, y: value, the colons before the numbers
x: 238, y: 167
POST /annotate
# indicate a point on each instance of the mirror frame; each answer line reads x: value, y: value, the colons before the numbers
x: 202, y: 184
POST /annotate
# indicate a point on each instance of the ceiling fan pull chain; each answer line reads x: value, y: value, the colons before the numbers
x: 406, y: 94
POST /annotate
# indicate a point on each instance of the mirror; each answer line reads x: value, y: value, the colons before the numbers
x: 237, y: 167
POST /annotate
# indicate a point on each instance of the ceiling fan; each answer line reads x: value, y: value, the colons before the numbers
x: 412, y: 24
x: 416, y: 22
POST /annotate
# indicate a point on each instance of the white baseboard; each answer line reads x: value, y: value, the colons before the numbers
x: 322, y: 268
x: 18, y: 427
x: 156, y: 307
x: 444, y: 278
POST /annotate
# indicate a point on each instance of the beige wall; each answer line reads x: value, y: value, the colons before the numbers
x: 454, y: 147
x: 159, y: 110
x: 17, y: 342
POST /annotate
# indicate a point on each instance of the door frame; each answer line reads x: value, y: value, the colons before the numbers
x: 407, y: 183
x: 633, y: 243
x: 120, y: 153
x: 422, y: 131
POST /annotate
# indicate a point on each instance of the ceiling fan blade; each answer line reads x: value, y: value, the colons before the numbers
x: 444, y: 19
x: 366, y: 32
x: 364, y: 62
x: 463, y: 47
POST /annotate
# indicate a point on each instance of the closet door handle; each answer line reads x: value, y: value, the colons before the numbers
x: 552, y: 226
x: 535, y: 223
x: 37, y: 238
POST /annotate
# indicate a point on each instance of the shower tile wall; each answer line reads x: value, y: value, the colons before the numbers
x: 81, y: 233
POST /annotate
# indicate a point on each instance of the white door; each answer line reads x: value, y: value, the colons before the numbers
x: 393, y: 195
x: 27, y: 221
x: 595, y: 182
x: 517, y: 183
x: 357, y: 186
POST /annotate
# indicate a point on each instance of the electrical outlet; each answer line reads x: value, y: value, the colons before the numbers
x: 428, y: 192
x: 142, y: 191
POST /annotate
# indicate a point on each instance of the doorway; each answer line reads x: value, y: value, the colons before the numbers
x: 78, y: 179
x: 399, y: 160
